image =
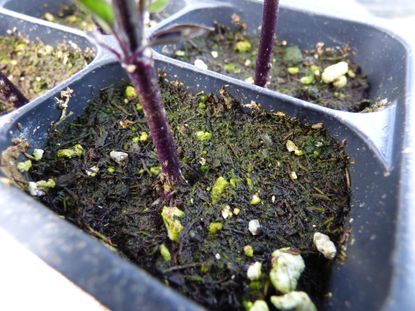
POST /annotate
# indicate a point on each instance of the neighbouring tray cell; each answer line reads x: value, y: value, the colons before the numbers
x: 370, y: 46
x: 36, y: 58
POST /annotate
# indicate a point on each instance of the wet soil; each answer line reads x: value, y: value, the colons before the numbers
x: 35, y: 67
x: 121, y: 205
x: 294, y: 72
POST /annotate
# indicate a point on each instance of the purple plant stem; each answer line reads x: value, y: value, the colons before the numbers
x: 139, y: 63
x: 129, y: 28
x: 11, y: 93
x: 269, y: 21
x: 144, y: 79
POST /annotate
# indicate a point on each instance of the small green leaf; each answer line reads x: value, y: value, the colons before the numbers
x: 157, y: 6
x: 101, y: 10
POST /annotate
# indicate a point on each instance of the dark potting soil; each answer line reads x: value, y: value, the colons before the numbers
x: 71, y: 16
x: 295, y: 72
x: 35, y: 67
x: 216, y: 136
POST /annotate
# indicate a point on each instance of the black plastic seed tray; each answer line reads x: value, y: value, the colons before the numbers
x: 379, y: 271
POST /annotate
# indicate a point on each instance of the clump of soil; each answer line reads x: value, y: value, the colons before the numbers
x: 216, y: 136
x: 35, y: 67
x: 71, y: 16
x: 294, y: 72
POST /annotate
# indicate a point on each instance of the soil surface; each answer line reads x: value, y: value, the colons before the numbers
x: 35, y: 67
x: 74, y: 17
x: 216, y: 136
x: 71, y: 16
x: 294, y: 72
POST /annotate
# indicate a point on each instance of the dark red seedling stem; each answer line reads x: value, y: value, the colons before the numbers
x: 144, y: 79
x: 139, y: 64
x: 269, y: 21
x: 11, y: 93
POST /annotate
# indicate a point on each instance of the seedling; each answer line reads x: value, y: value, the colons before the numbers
x: 125, y: 20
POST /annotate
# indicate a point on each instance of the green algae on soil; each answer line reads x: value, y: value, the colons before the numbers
x: 295, y: 72
x: 246, y: 151
x: 35, y: 67
x: 71, y: 16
